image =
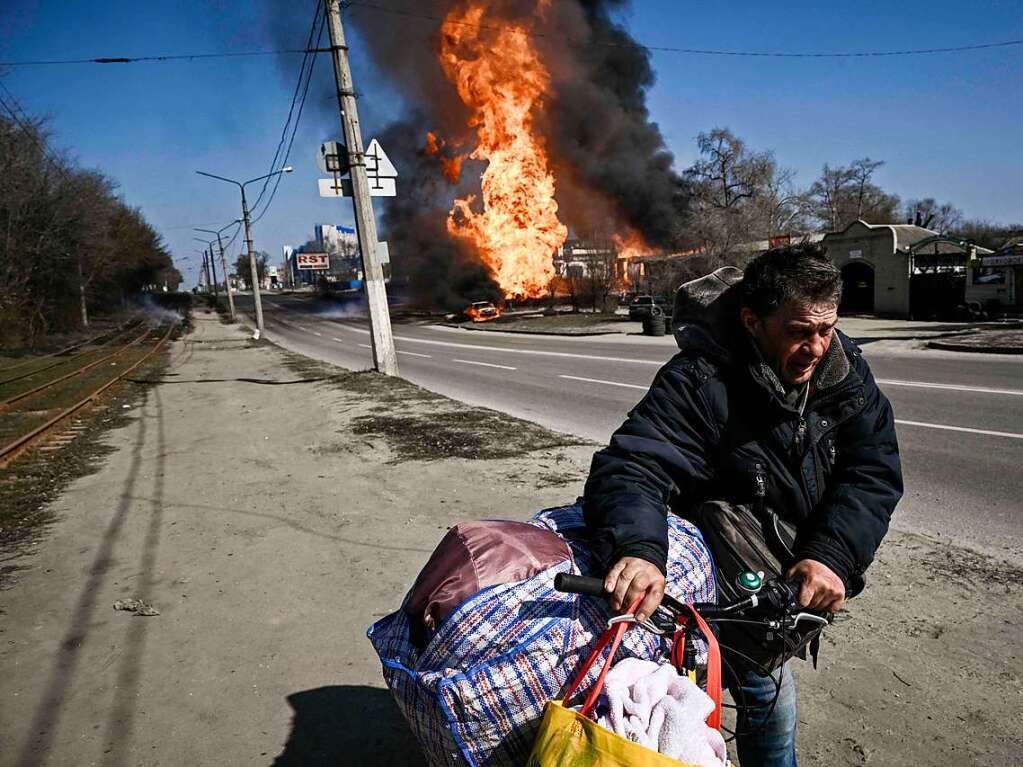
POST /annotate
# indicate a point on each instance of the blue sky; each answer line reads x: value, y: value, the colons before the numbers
x: 947, y: 125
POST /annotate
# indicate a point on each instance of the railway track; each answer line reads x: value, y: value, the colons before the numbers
x: 62, y: 357
x: 28, y: 417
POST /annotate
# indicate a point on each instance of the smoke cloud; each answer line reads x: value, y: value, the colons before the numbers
x: 612, y: 170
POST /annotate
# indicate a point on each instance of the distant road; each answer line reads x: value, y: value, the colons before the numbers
x: 960, y: 416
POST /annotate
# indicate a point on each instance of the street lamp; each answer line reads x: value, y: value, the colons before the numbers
x: 248, y: 236
x: 223, y: 262
x: 213, y: 265
x: 204, y: 272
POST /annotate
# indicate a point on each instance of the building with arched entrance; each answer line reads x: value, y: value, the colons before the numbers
x: 899, y: 270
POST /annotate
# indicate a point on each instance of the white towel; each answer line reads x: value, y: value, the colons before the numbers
x: 654, y: 706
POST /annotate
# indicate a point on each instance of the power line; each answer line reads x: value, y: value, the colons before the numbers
x: 298, y: 117
x: 692, y: 51
x: 291, y: 108
x: 157, y: 58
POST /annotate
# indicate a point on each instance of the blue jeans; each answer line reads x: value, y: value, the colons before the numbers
x: 771, y: 733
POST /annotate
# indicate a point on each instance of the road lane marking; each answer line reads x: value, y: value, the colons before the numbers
x: 318, y: 334
x: 608, y: 383
x: 484, y: 364
x: 339, y: 340
x: 365, y: 346
x: 987, y: 432
x: 301, y: 327
x: 414, y: 354
x: 950, y: 387
x: 503, y: 350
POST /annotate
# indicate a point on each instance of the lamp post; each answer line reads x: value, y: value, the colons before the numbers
x: 213, y: 266
x: 223, y: 262
x: 248, y: 236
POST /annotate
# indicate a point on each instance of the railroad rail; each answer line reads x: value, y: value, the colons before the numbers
x: 76, y: 372
x: 13, y: 449
x: 102, y: 338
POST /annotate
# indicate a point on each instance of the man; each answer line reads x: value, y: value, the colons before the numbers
x: 764, y: 397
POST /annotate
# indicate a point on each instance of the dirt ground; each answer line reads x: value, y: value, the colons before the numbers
x: 271, y: 508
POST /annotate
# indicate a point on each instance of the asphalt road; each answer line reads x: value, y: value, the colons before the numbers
x: 960, y: 417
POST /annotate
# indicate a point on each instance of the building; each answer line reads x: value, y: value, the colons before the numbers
x: 998, y: 278
x: 582, y: 258
x: 900, y: 270
x: 335, y: 239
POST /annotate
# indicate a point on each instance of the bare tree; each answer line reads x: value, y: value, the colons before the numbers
x: 842, y: 195
x: 734, y: 190
x: 69, y: 244
x: 929, y: 214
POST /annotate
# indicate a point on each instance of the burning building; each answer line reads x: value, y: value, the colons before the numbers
x: 527, y: 121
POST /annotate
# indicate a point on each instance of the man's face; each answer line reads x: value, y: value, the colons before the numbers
x: 794, y: 339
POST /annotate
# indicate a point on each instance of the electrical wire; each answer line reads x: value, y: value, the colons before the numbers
x: 692, y: 51
x: 355, y: 4
x: 298, y: 118
x: 291, y: 109
x: 151, y: 59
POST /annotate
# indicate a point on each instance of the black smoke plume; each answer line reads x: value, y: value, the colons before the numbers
x: 612, y: 169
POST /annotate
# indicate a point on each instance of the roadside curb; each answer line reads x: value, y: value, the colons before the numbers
x: 535, y: 332
x: 970, y: 348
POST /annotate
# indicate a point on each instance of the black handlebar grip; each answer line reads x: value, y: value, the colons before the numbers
x: 579, y: 584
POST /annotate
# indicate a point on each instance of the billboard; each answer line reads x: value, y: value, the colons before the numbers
x: 312, y: 261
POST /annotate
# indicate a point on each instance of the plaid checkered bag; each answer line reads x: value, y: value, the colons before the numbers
x: 476, y: 693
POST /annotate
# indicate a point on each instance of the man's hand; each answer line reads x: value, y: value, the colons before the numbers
x: 629, y: 579
x: 820, y: 588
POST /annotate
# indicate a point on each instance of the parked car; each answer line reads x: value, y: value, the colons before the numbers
x: 641, y: 306
x: 482, y: 311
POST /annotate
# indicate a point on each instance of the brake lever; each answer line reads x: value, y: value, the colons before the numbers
x: 819, y: 619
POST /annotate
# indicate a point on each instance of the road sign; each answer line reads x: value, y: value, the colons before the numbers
x: 383, y: 253
x: 378, y: 163
x: 333, y: 158
x: 312, y: 261
x: 342, y: 187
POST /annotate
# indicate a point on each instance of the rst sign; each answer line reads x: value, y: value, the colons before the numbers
x: 312, y: 261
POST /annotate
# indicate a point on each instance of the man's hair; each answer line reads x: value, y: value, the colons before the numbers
x: 802, y: 273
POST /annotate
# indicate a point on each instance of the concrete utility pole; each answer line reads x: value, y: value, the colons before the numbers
x: 213, y: 264
x: 213, y: 268
x: 254, y: 271
x: 223, y: 263
x: 206, y: 271
x: 384, y: 358
x: 256, y: 299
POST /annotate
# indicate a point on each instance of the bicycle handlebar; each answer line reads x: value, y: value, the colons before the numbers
x: 579, y: 584
x: 777, y: 596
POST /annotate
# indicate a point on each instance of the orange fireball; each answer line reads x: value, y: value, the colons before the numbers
x: 499, y: 76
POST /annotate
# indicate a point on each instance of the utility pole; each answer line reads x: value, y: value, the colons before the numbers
x: 206, y: 271
x: 384, y: 358
x: 227, y: 280
x: 256, y: 299
x: 248, y: 237
x: 213, y: 268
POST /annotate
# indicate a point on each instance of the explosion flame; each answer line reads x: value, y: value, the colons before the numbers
x: 500, y: 78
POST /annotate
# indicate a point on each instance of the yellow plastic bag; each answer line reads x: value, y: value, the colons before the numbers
x: 569, y: 739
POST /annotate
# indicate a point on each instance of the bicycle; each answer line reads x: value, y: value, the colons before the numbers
x: 769, y: 605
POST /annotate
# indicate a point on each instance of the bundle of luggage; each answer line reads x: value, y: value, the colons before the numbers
x: 483, y: 641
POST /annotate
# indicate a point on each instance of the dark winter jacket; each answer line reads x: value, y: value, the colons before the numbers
x: 716, y: 425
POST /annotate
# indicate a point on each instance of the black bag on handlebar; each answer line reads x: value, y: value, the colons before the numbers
x: 743, y: 538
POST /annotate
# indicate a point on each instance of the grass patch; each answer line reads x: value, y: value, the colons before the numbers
x: 31, y: 483
x: 437, y: 428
